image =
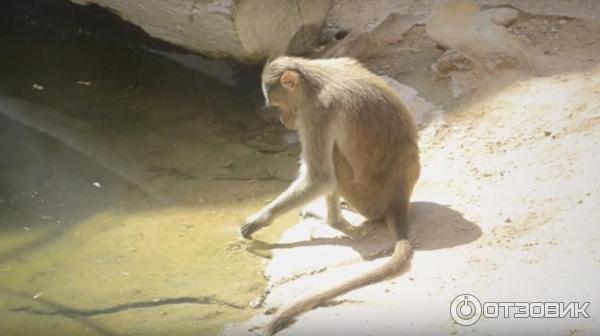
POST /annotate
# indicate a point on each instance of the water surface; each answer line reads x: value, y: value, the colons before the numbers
x: 124, y: 176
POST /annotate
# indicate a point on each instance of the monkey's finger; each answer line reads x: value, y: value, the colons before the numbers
x: 248, y: 229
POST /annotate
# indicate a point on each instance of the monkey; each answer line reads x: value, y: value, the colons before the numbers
x: 358, y: 142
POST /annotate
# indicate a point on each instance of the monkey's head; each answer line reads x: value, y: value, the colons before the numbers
x: 282, y: 87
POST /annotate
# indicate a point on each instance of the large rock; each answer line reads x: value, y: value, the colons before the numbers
x: 246, y: 30
x: 477, y: 43
x: 460, y: 26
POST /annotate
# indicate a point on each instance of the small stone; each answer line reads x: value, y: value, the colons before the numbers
x: 562, y: 21
x: 508, y: 220
x: 501, y: 16
x: 256, y: 303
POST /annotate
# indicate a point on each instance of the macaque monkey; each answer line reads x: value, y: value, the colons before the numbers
x: 359, y: 142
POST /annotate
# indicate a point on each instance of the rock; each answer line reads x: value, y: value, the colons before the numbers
x: 477, y: 46
x: 392, y: 28
x: 501, y: 16
x: 245, y: 30
x: 257, y: 302
x: 449, y: 62
x: 423, y: 111
x: 460, y: 26
x: 449, y: 19
x: 389, y: 30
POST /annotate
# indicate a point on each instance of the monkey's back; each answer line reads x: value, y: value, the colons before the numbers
x: 376, y: 152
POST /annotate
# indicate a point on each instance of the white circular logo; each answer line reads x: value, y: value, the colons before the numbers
x: 465, y: 309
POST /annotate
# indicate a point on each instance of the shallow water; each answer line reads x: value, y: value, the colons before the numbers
x: 122, y: 188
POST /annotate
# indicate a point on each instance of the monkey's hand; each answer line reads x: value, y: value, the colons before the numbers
x: 255, y: 223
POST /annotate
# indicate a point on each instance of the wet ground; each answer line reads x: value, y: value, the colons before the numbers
x: 124, y: 176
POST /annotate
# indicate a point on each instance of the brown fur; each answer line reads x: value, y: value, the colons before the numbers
x: 359, y: 142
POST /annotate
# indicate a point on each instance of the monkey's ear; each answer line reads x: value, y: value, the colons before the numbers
x: 290, y: 79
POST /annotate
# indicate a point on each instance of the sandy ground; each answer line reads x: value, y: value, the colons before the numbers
x: 506, y: 208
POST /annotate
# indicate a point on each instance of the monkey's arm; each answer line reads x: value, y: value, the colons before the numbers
x: 303, y: 190
x: 316, y: 178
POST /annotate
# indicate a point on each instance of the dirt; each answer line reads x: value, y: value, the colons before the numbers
x: 506, y: 208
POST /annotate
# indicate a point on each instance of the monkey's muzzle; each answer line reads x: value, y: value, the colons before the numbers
x: 269, y: 113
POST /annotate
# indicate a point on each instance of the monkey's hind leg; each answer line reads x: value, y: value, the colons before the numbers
x: 330, y: 210
x: 338, y: 222
x: 333, y: 217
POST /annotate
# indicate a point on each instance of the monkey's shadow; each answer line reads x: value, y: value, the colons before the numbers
x: 431, y: 226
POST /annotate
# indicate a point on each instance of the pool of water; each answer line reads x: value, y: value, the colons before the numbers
x: 124, y: 176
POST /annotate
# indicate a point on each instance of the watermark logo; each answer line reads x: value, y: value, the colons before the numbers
x: 466, y: 309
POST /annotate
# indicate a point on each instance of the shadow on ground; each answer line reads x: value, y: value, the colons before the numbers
x: 432, y: 226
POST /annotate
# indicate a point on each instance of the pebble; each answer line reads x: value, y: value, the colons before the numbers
x: 256, y: 303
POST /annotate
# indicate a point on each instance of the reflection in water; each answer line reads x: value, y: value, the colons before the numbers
x: 123, y: 179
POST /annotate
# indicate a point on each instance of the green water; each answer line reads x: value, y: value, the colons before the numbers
x: 128, y: 227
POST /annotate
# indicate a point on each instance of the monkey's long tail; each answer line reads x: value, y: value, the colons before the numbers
x: 402, y: 252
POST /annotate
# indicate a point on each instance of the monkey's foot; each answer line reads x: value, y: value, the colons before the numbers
x: 307, y: 213
x: 354, y: 232
x: 316, y: 211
